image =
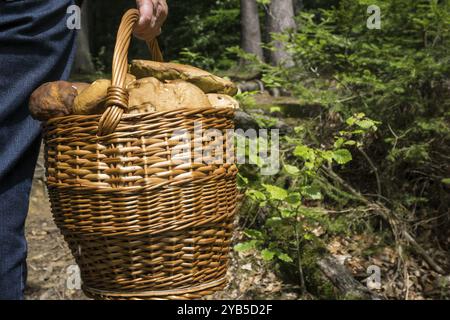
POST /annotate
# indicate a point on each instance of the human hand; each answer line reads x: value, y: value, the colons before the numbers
x: 153, y: 13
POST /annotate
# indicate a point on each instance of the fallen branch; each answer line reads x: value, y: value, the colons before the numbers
x: 344, y: 281
x: 421, y: 251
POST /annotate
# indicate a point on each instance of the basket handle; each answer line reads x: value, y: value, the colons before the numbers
x: 117, y: 99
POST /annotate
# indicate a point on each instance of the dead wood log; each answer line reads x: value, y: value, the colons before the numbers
x: 344, y: 281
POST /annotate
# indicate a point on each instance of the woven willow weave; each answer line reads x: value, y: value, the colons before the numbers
x: 141, y: 222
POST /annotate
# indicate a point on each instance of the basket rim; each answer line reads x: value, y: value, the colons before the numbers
x: 226, y: 112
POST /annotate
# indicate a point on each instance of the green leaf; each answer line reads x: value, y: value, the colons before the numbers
x: 301, y: 151
x: 292, y: 170
x: 276, y: 193
x: 327, y: 155
x: 339, y: 142
x: 267, y: 255
x: 365, y: 123
x: 256, y: 195
x: 242, y: 181
x: 284, y: 257
x: 446, y: 181
x: 305, y: 153
x: 285, y: 213
x: 299, y: 129
x: 294, y: 198
x: 246, y: 246
x: 342, y: 156
x: 275, y: 109
x: 255, y: 159
x: 308, y: 236
x: 312, y: 192
x: 254, y: 234
x: 350, y: 142
x: 351, y: 121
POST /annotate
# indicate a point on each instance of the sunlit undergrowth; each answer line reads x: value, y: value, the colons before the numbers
x: 377, y: 157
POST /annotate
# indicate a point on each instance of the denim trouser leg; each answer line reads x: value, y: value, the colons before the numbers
x: 35, y: 47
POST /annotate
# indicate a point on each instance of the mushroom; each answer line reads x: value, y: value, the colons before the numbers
x: 206, y: 81
x: 222, y: 101
x: 150, y: 94
x: 52, y: 99
x: 80, y: 86
x: 92, y: 99
x: 129, y: 79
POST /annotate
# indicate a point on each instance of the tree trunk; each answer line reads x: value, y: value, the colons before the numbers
x: 280, y: 18
x: 251, y: 29
x: 83, y: 58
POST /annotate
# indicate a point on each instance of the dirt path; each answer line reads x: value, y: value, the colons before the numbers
x: 48, y: 255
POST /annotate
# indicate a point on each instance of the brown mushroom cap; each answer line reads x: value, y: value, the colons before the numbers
x: 150, y: 94
x: 206, y: 81
x: 52, y: 99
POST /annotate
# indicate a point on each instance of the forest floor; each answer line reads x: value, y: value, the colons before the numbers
x: 49, y: 258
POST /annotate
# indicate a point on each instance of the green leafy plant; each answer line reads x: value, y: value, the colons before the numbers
x: 290, y: 199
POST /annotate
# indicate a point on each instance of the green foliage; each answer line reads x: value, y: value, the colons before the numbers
x: 204, y: 28
x: 290, y: 200
x: 275, y: 193
x: 189, y: 57
x: 397, y: 75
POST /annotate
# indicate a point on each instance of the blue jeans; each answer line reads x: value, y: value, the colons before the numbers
x: 35, y: 47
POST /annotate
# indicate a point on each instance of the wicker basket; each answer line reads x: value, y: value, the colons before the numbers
x: 140, y: 223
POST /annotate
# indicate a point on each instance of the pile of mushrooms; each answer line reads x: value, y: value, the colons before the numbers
x: 152, y: 87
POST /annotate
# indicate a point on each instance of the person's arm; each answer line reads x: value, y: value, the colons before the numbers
x: 153, y: 14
